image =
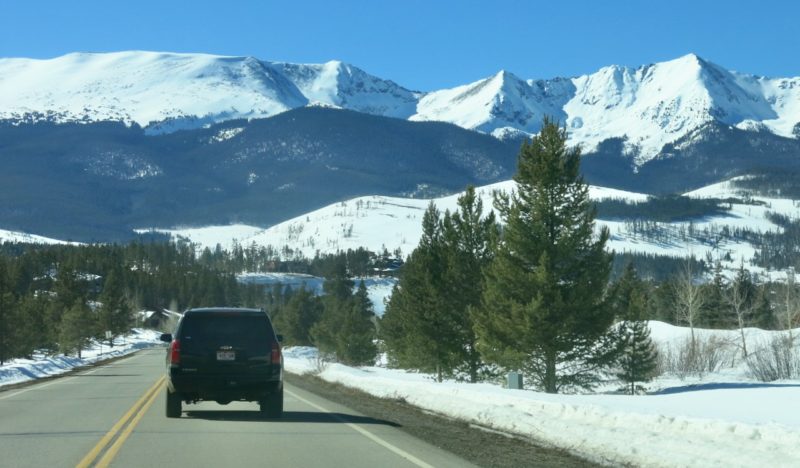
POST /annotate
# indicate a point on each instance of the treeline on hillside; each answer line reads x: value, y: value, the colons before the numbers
x: 774, y: 249
x: 774, y: 183
x: 56, y: 298
x: 266, y: 258
x: 780, y: 249
x: 667, y: 208
x: 655, y: 268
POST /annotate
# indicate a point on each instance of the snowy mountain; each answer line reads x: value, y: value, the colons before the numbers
x: 177, y: 91
x: 648, y: 106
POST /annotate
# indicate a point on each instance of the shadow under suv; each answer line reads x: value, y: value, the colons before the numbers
x: 224, y: 355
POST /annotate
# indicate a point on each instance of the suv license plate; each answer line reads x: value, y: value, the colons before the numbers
x: 226, y: 355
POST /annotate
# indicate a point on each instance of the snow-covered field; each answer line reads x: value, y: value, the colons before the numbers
x: 22, y: 370
x: 721, y: 419
x: 378, y: 222
x: 15, y: 236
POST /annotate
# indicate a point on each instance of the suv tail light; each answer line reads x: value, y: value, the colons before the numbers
x: 276, y: 353
x: 175, y: 352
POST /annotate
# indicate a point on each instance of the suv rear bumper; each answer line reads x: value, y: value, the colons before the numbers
x: 223, y: 387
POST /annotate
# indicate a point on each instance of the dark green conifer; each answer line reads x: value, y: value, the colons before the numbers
x: 115, y: 313
x: 417, y: 327
x: 77, y: 326
x: 543, y: 309
x: 469, y: 240
x: 639, y: 357
x: 296, y: 318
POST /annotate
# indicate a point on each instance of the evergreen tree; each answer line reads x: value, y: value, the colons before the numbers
x: 362, y: 324
x: 348, y: 330
x: 543, y: 309
x: 715, y: 311
x: 115, y: 313
x: 31, y: 329
x: 76, y: 328
x: 328, y: 332
x: 297, y: 317
x: 7, y: 322
x: 418, y: 327
x: 639, y: 357
x: 469, y: 240
x: 763, y: 315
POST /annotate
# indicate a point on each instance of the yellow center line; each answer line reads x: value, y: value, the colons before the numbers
x: 112, y: 451
x: 145, y: 400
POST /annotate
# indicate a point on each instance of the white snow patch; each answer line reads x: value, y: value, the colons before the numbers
x: 737, y: 422
x: 40, y: 365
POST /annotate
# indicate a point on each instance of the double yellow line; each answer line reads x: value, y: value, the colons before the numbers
x: 128, y: 422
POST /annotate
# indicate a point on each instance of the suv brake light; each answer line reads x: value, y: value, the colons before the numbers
x: 276, y: 353
x: 175, y: 352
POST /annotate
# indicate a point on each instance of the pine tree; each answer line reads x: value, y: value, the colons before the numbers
x: 76, y: 328
x: 32, y: 330
x: 469, y: 240
x: 543, y: 309
x: 715, y: 313
x: 296, y: 318
x: 763, y: 315
x: 7, y: 314
x: 418, y: 327
x: 330, y: 333
x: 359, y: 330
x: 115, y: 313
x: 639, y: 356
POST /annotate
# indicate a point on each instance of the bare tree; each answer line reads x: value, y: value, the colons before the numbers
x: 738, y: 298
x: 689, y: 298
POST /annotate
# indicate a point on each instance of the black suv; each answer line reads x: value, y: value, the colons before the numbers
x: 224, y: 355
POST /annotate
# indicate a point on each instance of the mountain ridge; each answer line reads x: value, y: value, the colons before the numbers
x: 648, y: 107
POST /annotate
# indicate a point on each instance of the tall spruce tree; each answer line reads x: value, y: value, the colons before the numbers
x: 77, y: 326
x: 7, y: 323
x: 639, y: 356
x: 543, y: 309
x: 296, y: 318
x: 469, y: 240
x: 346, y: 329
x: 115, y: 313
x: 418, y: 328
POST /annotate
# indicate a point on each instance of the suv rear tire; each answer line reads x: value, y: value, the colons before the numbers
x: 272, y: 407
x: 173, y: 405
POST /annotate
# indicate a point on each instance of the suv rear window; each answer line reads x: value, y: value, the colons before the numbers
x: 229, y: 329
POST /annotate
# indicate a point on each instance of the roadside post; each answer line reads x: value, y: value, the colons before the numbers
x: 514, y: 381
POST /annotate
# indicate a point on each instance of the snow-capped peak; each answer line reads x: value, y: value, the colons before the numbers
x: 648, y: 106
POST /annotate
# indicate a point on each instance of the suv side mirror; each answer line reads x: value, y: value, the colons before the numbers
x: 166, y: 337
x: 280, y: 338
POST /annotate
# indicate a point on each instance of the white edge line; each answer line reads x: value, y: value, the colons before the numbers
x: 366, y: 433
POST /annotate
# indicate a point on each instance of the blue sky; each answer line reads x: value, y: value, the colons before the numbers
x: 422, y: 45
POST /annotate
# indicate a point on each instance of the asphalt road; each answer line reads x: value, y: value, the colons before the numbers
x: 115, y: 415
